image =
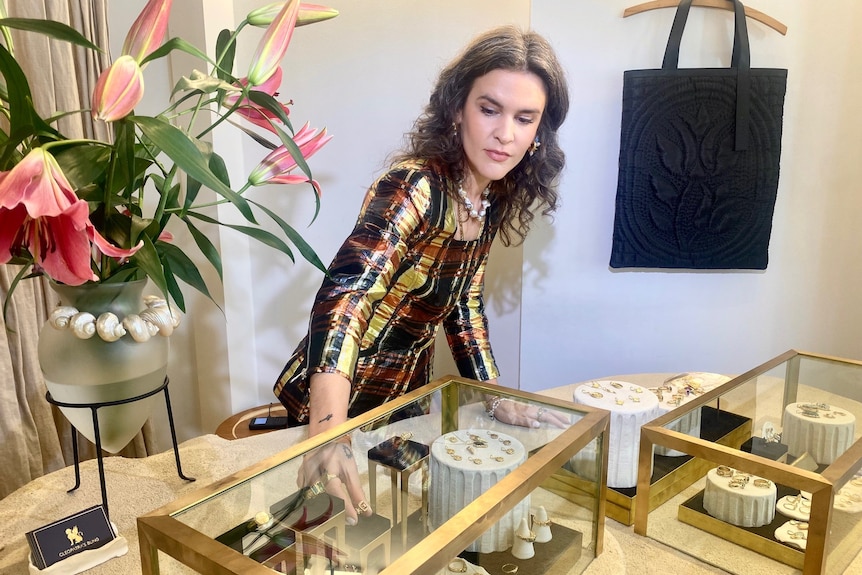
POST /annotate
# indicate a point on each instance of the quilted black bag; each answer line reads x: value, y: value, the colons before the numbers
x: 699, y: 159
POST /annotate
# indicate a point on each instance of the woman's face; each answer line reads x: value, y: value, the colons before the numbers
x: 498, y: 123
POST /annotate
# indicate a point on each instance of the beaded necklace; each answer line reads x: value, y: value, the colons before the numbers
x: 472, y: 212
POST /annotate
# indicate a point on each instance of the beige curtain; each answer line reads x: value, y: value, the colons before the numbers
x: 35, y: 438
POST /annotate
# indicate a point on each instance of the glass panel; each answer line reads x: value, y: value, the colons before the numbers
x: 417, y: 467
x: 788, y: 423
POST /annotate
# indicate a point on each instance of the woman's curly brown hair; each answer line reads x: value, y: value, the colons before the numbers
x: 532, y: 183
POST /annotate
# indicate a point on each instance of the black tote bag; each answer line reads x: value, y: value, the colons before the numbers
x: 699, y: 160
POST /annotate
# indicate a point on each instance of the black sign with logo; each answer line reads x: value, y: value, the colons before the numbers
x: 85, y: 530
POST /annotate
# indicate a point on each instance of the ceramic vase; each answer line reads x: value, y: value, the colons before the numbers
x: 106, y: 343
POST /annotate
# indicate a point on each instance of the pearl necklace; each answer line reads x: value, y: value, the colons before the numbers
x: 471, y: 210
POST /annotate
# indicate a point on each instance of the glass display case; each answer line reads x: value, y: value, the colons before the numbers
x: 440, y: 487
x: 787, y: 494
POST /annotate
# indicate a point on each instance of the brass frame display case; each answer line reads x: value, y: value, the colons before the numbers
x: 771, y: 391
x: 449, y: 398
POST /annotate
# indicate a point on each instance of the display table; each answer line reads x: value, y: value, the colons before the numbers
x: 631, y: 406
x: 823, y: 433
x: 749, y: 503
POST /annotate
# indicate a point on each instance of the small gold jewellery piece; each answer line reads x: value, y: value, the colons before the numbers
x: 621, y: 401
x: 315, y: 489
x: 528, y: 538
x: 798, y: 535
x: 493, y: 435
x: 635, y: 398
x: 506, y: 442
x: 724, y: 471
x: 616, y: 385
x: 593, y: 394
x: 636, y: 389
x: 475, y: 460
x: 540, y: 523
x: 498, y: 458
x: 765, y: 483
x: 458, y: 566
x: 509, y: 568
x: 327, y: 477
x: 509, y: 451
x: 800, y: 525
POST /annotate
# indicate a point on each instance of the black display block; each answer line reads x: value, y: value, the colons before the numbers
x: 770, y: 450
x: 714, y: 424
x: 398, y: 453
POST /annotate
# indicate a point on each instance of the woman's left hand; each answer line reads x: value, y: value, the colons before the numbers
x: 525, y: 415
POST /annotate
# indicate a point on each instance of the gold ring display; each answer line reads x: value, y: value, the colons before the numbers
x: 724, y: 471
x: 458, y: 566
x: 509, y: 568
x: 765, y: 483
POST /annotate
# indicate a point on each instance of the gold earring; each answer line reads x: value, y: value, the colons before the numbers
x: 534, y: 146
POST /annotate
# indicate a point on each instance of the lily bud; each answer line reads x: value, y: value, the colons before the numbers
x: 273, y: 45
x: 148, y: 31
x: 275, y: 168
x: 308, y: 14
x: 118, y: 90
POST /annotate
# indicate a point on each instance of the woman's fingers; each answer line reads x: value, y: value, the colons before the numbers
x: 335, y: 487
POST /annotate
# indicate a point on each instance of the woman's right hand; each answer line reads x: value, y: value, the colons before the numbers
x: 332, y: 468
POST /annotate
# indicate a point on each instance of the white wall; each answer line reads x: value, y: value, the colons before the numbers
x: 582, y: 320
x: 366, y: 75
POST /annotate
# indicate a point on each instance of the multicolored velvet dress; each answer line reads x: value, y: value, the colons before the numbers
x: 400, y: 275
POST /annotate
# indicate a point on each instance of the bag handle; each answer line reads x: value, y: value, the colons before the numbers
x: 740, y: 61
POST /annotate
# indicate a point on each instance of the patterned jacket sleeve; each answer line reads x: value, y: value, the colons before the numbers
x: 363, y: 270
x: 467, y: 332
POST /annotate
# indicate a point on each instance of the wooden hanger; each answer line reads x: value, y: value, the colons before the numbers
x: 723, y: 4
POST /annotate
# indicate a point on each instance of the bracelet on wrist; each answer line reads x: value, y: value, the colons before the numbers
x: 492, y: 404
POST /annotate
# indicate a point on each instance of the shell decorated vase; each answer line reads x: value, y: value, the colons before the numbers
x: 106, y: 343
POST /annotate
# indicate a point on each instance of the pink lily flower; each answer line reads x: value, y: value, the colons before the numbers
x: 275, y: 168
x: 40, y: 212
x: 308, y: 14
x: 118, y: 90
x: 251, y: 111
x: 273, y: 45
x: 148, y: 31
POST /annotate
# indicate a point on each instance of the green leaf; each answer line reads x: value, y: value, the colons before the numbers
x: 227, y: 46
x: 182, y: 150
x: 49, y: 28
x: 268, y: 102
x: 294, y: 151
x: 258, y: 234
x: 306, y: 250
x: 147, y: 259
x: 83, y: 165
x: 206, y: 247
x: 24, y: 122
x: 183, y: 267
x: 176, y: 44
x: 174, y: 288
x: 203, y: 84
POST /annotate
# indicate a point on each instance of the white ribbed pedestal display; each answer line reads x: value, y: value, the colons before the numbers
x: 465, y: 464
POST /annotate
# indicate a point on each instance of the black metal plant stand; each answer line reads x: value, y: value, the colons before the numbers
x: 94, y: 407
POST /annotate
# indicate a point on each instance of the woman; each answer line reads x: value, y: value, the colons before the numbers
x: 483, y: 155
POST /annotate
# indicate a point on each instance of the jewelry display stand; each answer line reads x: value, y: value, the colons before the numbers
x: 94, y: 408
x: 556, y: 556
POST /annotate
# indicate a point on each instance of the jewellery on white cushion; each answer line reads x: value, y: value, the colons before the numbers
x: 458, y: 566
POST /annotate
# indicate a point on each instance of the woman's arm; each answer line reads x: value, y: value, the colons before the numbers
x: 329, y: 396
